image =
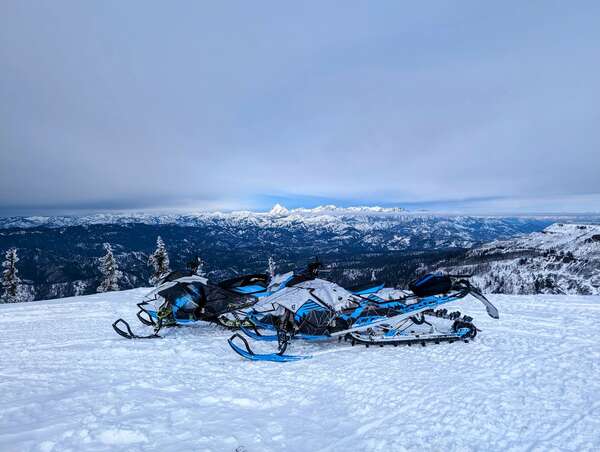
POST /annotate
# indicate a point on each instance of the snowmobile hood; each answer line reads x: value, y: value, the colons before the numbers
x: 326, y: 293
x: 169, y: 284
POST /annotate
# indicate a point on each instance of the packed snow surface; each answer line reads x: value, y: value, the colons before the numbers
x: 529, y: 381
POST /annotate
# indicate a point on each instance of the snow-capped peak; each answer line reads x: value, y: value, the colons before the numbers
x: 279, y: 210
x: 352, y: 210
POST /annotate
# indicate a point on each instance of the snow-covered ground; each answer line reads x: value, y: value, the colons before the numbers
x: 530, y: 381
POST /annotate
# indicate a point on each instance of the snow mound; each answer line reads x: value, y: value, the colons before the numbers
x: 527, y: 382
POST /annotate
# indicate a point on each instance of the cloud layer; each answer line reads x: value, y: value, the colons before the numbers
x: 137, y: 104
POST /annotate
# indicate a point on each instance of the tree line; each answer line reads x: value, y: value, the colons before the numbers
x: 13, y: 290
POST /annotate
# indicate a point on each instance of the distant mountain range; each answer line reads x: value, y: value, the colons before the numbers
x: 277, y: 216
x: 561, y: 259
x: 59, y: 254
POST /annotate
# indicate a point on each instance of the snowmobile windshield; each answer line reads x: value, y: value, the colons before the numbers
x: 185, y: 279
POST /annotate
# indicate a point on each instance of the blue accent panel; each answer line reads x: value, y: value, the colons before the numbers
x: 354, y: 314
x: 462, y: 332
x: 185, y: 321
x: 376, y: 298
x: 312, y: 338
x: 249, y: 289
x: 307, y: 307
x: 427, y: 302
x: 180, y: 302
x: 393, y: 304
x: 367, y: 320
x: 369, y: 290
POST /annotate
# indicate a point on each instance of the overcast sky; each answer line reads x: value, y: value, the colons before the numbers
x: 136, y: 105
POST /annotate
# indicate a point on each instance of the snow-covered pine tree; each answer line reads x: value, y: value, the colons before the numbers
x: 160, y: 261
x: 10, y: 278
x: 196, y: 266
x: 200, y: 267
x: 271, y: 267
x: 110, y: 271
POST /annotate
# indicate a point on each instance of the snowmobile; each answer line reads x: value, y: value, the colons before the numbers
x: 319, y: 310
x: 182, y: 298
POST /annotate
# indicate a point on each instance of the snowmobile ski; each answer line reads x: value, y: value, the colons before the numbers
x: 148, y: 320
x: 128, y: 334
x: 489, y: 307
x: 278, y: 357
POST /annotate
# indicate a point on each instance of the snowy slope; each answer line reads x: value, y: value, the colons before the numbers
x: 528, y: 382
x: 563, y: 258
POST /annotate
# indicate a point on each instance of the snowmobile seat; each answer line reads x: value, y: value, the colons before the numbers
x: 431, y: 284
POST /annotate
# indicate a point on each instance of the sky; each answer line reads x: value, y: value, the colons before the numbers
x: 146, y: 105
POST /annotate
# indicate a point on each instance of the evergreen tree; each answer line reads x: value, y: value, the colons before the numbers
x: 271, y: 267
x: 196, y: 266
x: 10, y: 278
x: 200, y: 270
x: 160, y: 261
x: 110, y: 271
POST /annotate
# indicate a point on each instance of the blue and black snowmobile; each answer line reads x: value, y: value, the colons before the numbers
x: 183, y: 297
x: 319, y: 310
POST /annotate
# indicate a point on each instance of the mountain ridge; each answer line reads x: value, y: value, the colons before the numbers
x: 277, y: 216
x: 560, y: 259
